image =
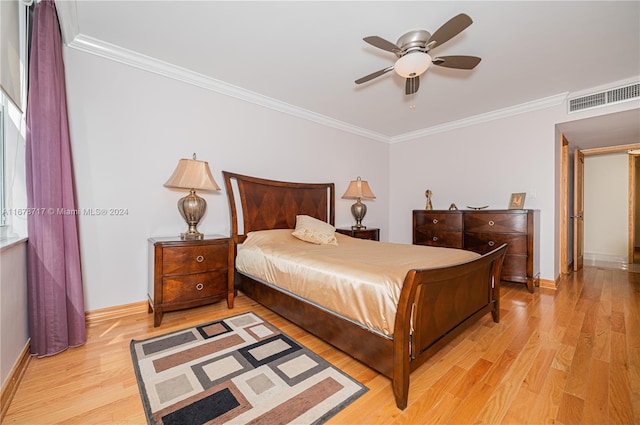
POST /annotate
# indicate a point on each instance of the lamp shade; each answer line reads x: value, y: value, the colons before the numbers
x: 358, y: 189
x: 412, y: 64
x: 192, y: 174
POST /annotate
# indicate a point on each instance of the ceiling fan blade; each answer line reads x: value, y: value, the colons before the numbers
x: 412, y: 85
x: 460, y: 62
x: 450, y: 29
x: 373, y: 75
x: 381, y: 43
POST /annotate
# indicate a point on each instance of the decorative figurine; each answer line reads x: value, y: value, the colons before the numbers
x: 453, y: 207
x: 428, y: 194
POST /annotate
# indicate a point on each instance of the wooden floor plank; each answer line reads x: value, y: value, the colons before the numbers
x: 620, y: 406
x: 545, y: 408
x: 571, y: 410
x: 597, y: 399
x: 469, y: 409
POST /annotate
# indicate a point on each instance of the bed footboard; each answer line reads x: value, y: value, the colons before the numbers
x: 441, y: 303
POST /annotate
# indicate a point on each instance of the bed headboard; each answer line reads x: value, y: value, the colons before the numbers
x: 270, y: 204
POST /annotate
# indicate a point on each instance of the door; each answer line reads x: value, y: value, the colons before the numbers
x: 565, y: 178
x: 634, y: 208
x: 578, y: 210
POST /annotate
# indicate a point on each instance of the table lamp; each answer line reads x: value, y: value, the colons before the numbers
x: 192, y: 174
x: 358, y: 189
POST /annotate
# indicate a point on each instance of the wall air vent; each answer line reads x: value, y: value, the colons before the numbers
x: 608, y: 97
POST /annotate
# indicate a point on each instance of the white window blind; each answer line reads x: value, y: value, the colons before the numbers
x: 10, y: 69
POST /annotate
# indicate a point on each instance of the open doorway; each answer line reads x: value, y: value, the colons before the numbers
x: 568, y: 243
x: 608, y: 198
x: 613, y: 132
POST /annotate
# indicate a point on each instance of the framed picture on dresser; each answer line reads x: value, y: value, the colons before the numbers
x: 517, y: 201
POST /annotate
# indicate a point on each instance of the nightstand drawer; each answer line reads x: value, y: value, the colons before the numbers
x: 194, y: 287
x: 485, y: 242
x: 495, y: 222
x: 371, y: 233
x: 194, y: 259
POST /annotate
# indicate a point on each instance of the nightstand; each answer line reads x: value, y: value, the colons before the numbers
x: 189, y: 273
x: 371, y: 233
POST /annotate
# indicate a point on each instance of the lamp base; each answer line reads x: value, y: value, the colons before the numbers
x: 356, y: 227
x: 192, y: 208
x: 359, y: 210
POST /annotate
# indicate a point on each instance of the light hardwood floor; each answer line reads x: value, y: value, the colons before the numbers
x: 568, y: 356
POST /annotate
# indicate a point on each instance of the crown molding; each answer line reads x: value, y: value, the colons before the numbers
x: 119, y: 54
x: 482, y: 118
x: 116, y: 53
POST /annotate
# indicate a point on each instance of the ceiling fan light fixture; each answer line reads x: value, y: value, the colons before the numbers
x: 412, y: 64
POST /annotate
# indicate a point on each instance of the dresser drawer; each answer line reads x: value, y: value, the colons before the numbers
x: 485, y: 242
x: 514, y: 268
x: 495, y: 222
x: 194, y: 259
x: 442, y: 221
x: 438, y: 238
x: 194, y: 287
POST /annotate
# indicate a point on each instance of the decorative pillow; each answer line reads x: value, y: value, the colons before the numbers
x: 316, y: 231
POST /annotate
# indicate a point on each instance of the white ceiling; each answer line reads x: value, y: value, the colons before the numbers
x: 307, y: 55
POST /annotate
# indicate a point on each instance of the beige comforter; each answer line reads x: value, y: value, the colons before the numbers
x: 358, y: 279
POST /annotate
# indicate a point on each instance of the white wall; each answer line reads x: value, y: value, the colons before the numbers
x: 14, y: 324
x: 606, y: 206
x: 130, y: 127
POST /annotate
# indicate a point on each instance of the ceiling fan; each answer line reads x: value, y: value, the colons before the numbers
x: 413, y: 48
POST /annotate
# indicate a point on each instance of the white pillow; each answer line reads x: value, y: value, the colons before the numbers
x: 316, y: 231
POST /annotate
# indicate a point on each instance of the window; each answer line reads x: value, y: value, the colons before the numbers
x: 3, y: 216
x: 13, y: 195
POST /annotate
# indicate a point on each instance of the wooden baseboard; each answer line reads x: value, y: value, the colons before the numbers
x: 115, y: 312
x: 549, y: 284
x: 10, y: 386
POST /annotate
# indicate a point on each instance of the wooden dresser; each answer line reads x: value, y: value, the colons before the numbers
x: 189, y: 273
x: 484, y: 230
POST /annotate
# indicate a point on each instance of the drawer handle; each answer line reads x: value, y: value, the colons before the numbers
x: 435, y: 221
x: 199, y: 258
x: 199, y: 286
x: 491, y: 243
x: 435, y: 238
x: 491, y: 223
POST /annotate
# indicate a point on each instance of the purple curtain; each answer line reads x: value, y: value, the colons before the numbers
x: 56, y: 305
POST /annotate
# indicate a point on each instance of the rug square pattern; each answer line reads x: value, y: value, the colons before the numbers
x: 241, y: 369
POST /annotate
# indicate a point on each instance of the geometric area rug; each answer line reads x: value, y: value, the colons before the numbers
x: 238, y: 370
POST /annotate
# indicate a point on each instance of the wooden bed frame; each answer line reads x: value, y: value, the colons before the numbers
x: 444, y: 301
